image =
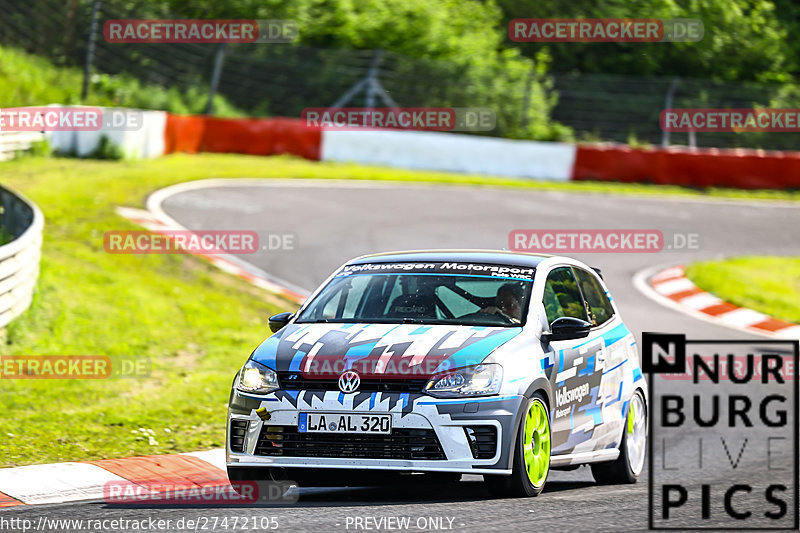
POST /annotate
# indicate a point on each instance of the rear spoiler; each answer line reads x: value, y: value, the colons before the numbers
x: 599, y: 272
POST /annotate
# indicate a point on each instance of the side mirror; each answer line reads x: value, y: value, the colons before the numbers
x: 276, y: 322
x: 567, y: 328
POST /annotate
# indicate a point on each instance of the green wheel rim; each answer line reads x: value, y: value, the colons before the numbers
x: 536, y: 445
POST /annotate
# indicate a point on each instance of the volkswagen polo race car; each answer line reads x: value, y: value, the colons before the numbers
x: 430, y: 365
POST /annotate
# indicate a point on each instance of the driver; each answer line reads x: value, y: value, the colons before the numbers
x: 508, y: 303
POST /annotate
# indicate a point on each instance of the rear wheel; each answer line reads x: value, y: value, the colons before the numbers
x: 629, y: 464
x: 531, y: 455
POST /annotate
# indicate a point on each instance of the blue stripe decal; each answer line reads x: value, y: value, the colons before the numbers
x: 404, y: 397
x: 372, y: 400
x: 341, y: 398
x: 265, y: 353
x: 589, y: 367
x: 619, y: 396
x: 610, y: 337
x: 420, y: 330
x: 357, y: 353
x: 452, y: 402
x: 478, y: 351
x: 293, y: 394
x: 615, y: 367
x: 637, y: 374
x: 297, y: 358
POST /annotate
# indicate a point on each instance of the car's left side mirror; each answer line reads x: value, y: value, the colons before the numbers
x: 567, y: 328
x: 277, y: 322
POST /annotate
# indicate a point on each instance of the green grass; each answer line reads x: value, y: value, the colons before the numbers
x: 767, y: 284
x: 28, y: 80
x: 195, y: 323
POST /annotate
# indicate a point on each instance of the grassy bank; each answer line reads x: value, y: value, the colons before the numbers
x: 767, y: 284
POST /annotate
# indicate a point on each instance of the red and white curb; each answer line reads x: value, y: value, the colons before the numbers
x: 671, y: 287
x: 81, y: 481
x: 158, y: 223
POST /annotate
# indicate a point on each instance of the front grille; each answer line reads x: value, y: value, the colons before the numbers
x: 238, y: 431
x: 482, y: 441
x: 285, y: 441
x: 296, y: 381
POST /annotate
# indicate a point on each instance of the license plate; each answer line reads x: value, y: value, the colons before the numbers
x: 344, y: 423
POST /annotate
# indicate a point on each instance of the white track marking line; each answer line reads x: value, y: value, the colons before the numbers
x: 215, y: 457
x: 56, y: 483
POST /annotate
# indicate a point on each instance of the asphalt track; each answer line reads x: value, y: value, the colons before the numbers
x: 334, y: 221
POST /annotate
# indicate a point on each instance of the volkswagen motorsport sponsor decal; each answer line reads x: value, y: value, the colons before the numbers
x: 472, y: 269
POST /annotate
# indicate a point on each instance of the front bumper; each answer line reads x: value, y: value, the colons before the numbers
x: 444, y: 418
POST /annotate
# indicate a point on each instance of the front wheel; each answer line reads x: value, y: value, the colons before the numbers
x: 531, y: 455
x: 629, y: 464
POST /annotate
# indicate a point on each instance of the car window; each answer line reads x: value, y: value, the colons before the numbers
x: 424, y: 297
x: 456, y: 303
x: 600, y: 309
x: 561, y: 296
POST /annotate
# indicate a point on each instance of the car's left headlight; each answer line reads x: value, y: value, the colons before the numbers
x: 256, y: 378
x: 480, y: 380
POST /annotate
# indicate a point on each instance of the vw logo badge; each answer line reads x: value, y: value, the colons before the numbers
x: 349, y: 381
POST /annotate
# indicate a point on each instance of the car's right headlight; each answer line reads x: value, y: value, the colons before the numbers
x: 256, y: 378
x: 480, y: 380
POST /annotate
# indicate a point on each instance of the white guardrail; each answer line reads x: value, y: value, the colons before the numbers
x: 19, y: 259
x: 13, y: 141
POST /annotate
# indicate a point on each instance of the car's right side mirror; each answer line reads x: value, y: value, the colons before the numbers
x: 567, y: 328
x: 277, y: 322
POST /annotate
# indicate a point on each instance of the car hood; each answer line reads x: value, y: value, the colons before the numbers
x: 387, y: 351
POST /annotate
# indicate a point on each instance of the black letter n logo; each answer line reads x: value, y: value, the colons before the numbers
x: 663, y: 353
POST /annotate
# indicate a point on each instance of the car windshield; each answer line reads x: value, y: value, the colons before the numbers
x: 425, y: 293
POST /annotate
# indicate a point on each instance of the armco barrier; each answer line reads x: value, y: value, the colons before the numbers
x: 704, y: 167
x: 145, y: 141
x: 164, y: 133
x: 451, y: 152
x: 266, y: 136
x: 19, y: 259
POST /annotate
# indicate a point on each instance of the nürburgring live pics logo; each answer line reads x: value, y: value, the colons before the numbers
x: 723, y: 446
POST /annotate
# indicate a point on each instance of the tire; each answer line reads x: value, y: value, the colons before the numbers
x: 531, y: 463
x: 632, y: 448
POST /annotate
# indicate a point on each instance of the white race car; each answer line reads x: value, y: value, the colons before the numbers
x: 428, y: 365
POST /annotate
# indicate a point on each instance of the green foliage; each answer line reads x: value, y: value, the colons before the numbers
x: 27, y: 80
x: 745, y: 40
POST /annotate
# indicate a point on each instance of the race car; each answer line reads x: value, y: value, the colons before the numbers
x: 426, y: 365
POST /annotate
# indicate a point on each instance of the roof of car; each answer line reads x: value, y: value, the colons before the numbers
x: 497, y: 257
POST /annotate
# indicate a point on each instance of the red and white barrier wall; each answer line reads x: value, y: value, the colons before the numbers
x: 165, y: 133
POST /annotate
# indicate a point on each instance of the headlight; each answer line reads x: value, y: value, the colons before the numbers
x: 481, y: 380
x: 256, y: 378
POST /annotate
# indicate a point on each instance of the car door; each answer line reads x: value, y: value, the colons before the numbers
x: 575, y: 372
x: 611, y: 357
